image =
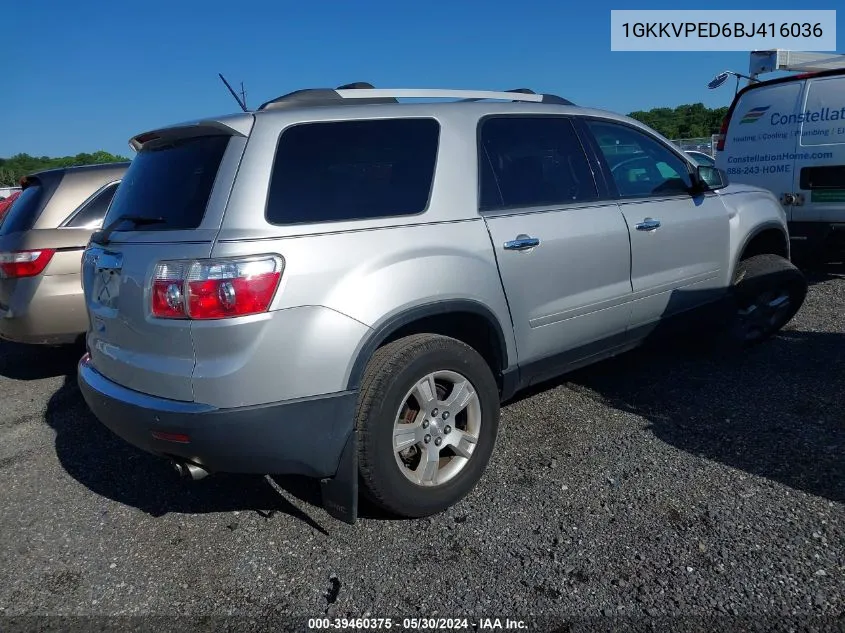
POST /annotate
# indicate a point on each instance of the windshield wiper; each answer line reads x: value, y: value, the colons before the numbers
x: 102, y: 236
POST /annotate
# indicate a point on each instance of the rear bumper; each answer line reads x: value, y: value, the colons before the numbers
x: 306, y: 436
x: 44, y: 310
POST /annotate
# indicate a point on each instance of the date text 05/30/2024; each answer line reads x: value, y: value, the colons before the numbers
x: 416, y: 624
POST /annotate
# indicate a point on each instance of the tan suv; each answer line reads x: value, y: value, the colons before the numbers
x: 42, y: 237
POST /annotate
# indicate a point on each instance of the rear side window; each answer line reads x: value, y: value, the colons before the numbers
x: 826, y: 177
x: 24, y: 211
x: 352, y: 170
x: 171, y: 181
x: 91, y: 214
x: 532, y: 161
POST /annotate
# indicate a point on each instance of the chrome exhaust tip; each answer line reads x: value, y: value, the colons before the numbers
x: 187, y: 470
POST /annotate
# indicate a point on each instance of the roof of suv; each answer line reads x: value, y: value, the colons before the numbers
x: 342, y: 101
x: 87, y: 172
x: 68, y: 187
x: 362, y: 93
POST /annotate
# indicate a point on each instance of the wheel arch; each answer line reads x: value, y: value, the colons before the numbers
x: 767, y: 238
x: 467, y: 320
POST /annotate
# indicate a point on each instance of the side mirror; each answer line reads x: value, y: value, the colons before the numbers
x: 710, y: 178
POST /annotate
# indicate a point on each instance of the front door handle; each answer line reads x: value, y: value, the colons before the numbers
x: 522, y: 243
x: 649, y: 224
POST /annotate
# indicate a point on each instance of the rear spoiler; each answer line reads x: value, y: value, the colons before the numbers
x: 235, y: 125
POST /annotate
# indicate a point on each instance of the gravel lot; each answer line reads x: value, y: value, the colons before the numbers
x: 665, y: 487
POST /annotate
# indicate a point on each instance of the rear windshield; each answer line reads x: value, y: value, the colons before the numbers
x: 23, y: 213
x: 172, y: 182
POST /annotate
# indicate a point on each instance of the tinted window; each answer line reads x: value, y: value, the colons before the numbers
x: 352, y: 170
x: 640, y: 165
x: 827, y: 177
x: 171, y: 181
x: 702, y: 159
x: 92, y: 212
x: 535, y: 161
x: 23, y: 213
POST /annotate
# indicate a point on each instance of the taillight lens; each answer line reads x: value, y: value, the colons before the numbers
x: 25, y: 263
x: 215, y: 289
x: 169, y: 290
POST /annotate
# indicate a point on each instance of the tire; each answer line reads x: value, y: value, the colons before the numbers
x: 388, y: 388
x: 768, y: 291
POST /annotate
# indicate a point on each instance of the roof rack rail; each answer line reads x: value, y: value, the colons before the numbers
x: 546, y: 98
x: 323, y: 96
x: 364, y: 93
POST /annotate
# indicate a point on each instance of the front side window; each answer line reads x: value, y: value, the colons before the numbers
x: 91, y: 214
x: 532, y: 161
x: 640, y: 165
x: 353, y: 170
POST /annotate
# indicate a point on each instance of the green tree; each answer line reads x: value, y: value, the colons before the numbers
x: 20, y: 165
x: 685, y: 121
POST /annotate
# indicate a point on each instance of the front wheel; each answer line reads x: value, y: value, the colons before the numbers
x: 427, y: 419
x: 768, y: 291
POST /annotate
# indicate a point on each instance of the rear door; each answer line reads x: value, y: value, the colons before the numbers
x: 562, y: 250
x: 819, y: 174
x: 175, y: 191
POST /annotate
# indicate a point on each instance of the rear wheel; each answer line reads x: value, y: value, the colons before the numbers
x: 768, y: 292
x: 427, y: 418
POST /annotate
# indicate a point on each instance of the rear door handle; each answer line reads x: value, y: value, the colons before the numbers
x: 522, y: 243
x: 649, y: 224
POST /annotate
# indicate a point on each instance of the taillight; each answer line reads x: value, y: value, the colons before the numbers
x: 25, y: 263
x: 723, y: 131
x: 169, y: 290
x: 215, y: 289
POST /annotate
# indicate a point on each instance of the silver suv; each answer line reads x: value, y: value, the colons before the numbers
x: 346, y: 286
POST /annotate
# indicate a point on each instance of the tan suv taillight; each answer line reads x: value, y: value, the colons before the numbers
x: 14, y: 265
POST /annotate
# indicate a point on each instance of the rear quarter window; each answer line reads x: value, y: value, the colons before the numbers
x: 352, y: 170
x: 92, y: 212
x: 171, y: 181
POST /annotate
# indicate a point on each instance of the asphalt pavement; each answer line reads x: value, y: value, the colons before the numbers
x: 677, y: 484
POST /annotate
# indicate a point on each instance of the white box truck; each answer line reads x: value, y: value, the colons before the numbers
x: 787, y: 135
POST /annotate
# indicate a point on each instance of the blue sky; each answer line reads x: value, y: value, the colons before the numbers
x: 81, y: 77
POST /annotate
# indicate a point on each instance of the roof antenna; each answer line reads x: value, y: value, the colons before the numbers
x: 240, y: 99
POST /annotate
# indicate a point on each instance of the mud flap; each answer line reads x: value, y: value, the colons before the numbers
x: 340, y: 493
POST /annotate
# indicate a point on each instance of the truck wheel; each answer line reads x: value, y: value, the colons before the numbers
x: 427, y: 420
x: 768, y: 291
